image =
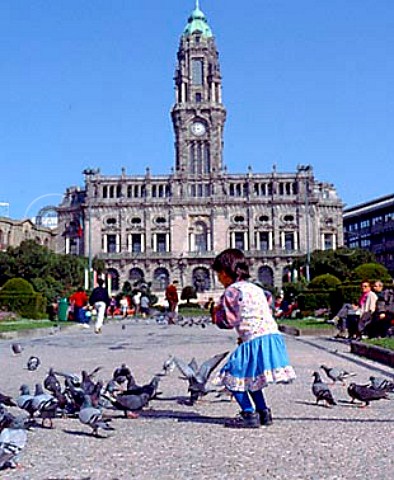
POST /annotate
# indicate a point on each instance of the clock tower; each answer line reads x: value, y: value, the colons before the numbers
x: 198, y: 115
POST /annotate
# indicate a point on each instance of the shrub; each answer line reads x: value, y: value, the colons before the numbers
x: 17, y: 295
x: 324, y: 282
x: 17, y: 285
x: 188, y: 293
x: 371, y: 272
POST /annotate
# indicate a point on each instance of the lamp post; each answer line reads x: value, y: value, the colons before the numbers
x: 306, y: 169
x: 89, y: 172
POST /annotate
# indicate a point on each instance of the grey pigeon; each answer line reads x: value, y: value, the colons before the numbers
x: 33, y: 363
x: 379, y: 383
x: 51, y: 383
x: 321, y: 391
x: 365, y: 394
x: 93, y: 417
x: 129, y: 402
x: 25, y: 399
x: 198, y: 377
x: 7, y: 400
x: 12, y: 442
x: 45, y: 405
x: 335, y: 374
x: 168, y: 365
x: 16, y: 348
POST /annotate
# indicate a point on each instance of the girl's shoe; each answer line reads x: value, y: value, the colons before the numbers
x: 265, y: 417
x: 244, y: 420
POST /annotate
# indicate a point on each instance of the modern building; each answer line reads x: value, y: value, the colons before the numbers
x: 370, y: 225
x: 171, y: 226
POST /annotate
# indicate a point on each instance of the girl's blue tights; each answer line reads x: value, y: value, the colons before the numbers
x: 244, y: 400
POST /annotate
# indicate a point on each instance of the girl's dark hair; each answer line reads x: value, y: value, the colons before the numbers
x: 233, y: 262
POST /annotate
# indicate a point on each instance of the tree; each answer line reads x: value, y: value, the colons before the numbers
x: 188, y: 293
x: 50, y: 273
x: 371, y: 272
x: 340, y: 262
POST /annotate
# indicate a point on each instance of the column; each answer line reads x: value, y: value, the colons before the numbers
x: 154, y: 237
x: 167, y: 242
x: 105, y: 244
x: 270, y: 240
x: 143, y: 240
x: 67, y: 246
x: 129, y: 243
x: 295, y: 240
x: 117, y: 243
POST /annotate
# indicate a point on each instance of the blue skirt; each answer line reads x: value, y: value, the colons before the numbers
x: 256, y: 363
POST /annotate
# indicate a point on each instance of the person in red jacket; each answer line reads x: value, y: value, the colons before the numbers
x: 79, y: 300
x: 172, y: 299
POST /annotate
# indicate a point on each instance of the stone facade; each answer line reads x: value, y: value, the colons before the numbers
x: 13, y: 232
x: 172, y: 226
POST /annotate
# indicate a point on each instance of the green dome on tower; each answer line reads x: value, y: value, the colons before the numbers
x: 197, y: 23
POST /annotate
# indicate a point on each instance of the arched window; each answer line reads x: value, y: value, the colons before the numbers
x: 200, y: 237
x: 160, y: 279
x: 135, y: 275
x: 201, y: 279
x: 266, y: 276
x: 113, y: 274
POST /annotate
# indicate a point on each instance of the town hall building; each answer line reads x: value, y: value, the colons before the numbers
x: 171, y: 226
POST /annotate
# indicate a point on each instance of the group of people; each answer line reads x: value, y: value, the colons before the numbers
x: 372, y: 316
x: 260, y: 357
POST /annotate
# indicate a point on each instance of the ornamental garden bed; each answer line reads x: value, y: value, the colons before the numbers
x: 374, y: 351
x: 306, y: 326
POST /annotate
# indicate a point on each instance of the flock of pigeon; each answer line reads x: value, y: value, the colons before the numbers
x: 66, y: 394
x: 80, y: 396
x: 376, y: 389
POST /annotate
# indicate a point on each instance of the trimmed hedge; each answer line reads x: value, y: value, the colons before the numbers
x: 18, y: 295
x: 26, y: 305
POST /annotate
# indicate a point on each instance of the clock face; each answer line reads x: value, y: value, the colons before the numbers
x: 198, y: 128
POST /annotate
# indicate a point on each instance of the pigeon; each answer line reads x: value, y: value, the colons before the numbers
x: 122, y: 374
x: 33, y: 363
x: 198, y: 377
x: 365, y: 394
x: 129, y: 402
x: 150, y: 388
x: 12, y: 442
x: 88, y: 415
x: 335, y: 374
x: 16, y: 348
x: 25, y: 399
x: 87, y: 383
x: 321, y: 391
x: 7, y: 400
x: 44, y: 404
x: 168, y: 365
x: 51, y: 383
x: 379, y: 383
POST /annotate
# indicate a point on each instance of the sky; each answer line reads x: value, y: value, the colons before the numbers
x: 90, y: 84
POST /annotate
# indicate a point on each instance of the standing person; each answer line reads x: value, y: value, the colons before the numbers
x: 136, y: 301
x: 124, y: 306
x: 172, y: 299
x: 261, y: 356
x: 99, y: 298
x: 78, y: 301
x: 144, y: 304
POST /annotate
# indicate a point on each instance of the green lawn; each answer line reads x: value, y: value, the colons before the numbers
x: 309, y: 322
x: 381, y: 342
x: 24, y: 324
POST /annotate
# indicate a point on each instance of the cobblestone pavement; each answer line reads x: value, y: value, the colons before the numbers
x: 171, y: 440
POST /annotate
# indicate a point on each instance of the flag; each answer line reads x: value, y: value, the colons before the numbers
x: 80, y: 227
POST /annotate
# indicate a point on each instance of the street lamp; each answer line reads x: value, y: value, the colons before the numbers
x: 89, y: 172
x: 307, y: 169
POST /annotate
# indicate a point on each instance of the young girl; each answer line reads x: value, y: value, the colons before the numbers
x: 261, y: 357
